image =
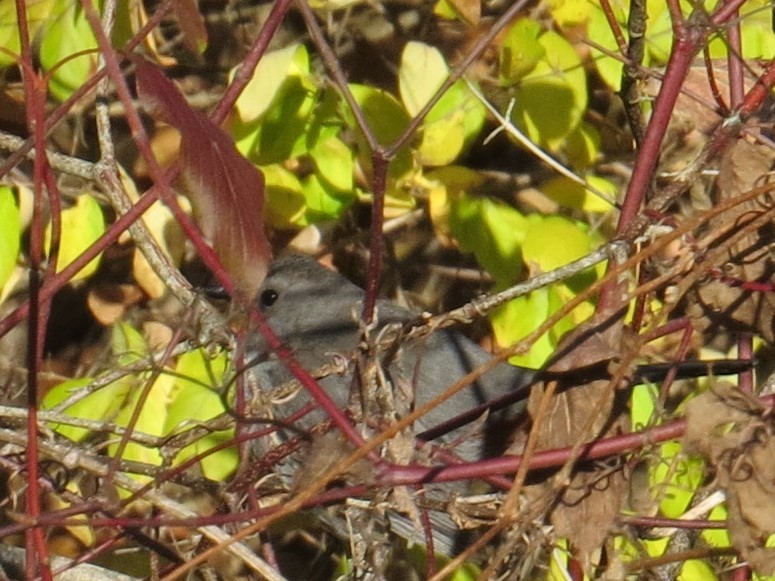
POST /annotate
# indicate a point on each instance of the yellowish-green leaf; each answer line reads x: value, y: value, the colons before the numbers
x: 642, y: 406
x: 194, y: 398
x: 516, y: 319
x: 552, y: 98
x: 285, y: 201
x: 553, y: 241
x: 323, y: 202
x: 387, y: 119
x: 493, y: 232
x: 127, y: 344
x: 420, y: 74
x: 444, y: 9
x: 520, y: 51
x: 10, y: 231
x: 568, y: 13
x: 610, y: 69
x: 659, y: 37
x: 696, y: 570
x: 570, y: 194
x: 273, y: 71
x: 455, y: 119
x: 333, y: 5
x: 100, y: 405
x: 38, y: 11
x: 151, y: 419
x: 335, y: 163
x: 582, y: 146
x: 282, y: 132
x: 675, y: 479
x: 452, y: 124
x: 717, y: 537
x: 66, y: 34
x: 82, y: 225
x: 442, y: 141
x: 756, y: 35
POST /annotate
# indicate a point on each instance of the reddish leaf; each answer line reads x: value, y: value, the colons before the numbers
x: 226, y: 190
x: 191, y: 24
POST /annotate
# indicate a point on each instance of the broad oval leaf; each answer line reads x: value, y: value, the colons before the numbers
x: 323, y: 201
x: 551, y: 100
x: 420, y: 74
x: 66, y: 34
x: 285, y: 201
x: 100, y: 405
x: 454, y: 120
x: 571, y: 194
x: 520, y: 51
x: 195, y: 398
x: 82, y: 225
x: 38, y: 12
x: 10, y: 231
x: 387, y: 119
x: 274, y: 71
x: 553, y: 241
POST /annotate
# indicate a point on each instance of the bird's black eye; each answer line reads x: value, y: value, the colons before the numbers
x: 268, y: 297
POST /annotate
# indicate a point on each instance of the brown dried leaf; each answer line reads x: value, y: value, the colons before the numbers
x: 736, y: 435
x: 108, y: 302
x: 591, y: 500
x: 718, y: 304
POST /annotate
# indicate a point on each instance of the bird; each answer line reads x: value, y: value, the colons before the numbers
x: 314, y: 311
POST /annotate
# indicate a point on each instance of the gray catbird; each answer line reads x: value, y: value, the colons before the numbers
x: 314, y: 312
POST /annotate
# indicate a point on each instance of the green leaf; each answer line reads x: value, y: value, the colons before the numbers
x: 10, y: 231
x: 387, y: 119
x: 66, y: 34
x: 456, y: 118
x: 100, y: 405
x: 285, y: 201
x: 696, y: 570
x: 516, y: 319
x: 270, y: 79
x: 38, y: 11
x: 675, y: 478
x: 323, y: 202
x: 82, y: 225
x: 551, y: 100
x: 194, y: 398
x: 569, y: 13
x: 717, y: 537
x: 420, y: 74
x: 570, y: 194
x: 553, y: 241
x: 335, y: 163
x: 520, y: 51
